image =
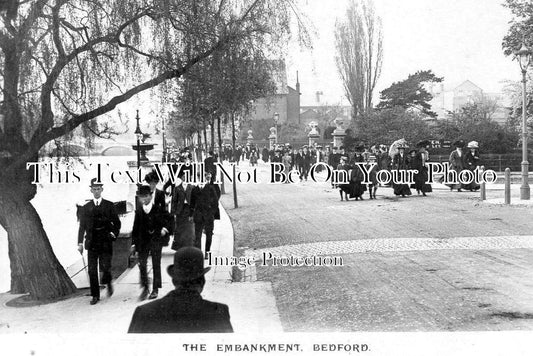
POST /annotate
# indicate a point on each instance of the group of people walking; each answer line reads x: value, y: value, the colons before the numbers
x: 192, y: 211
x: 293, y: 159
x: 461, y: 160
x: 396, y: 159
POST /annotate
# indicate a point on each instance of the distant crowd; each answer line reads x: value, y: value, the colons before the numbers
x: 396, y: 157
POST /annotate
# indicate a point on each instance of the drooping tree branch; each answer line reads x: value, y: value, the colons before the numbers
x: 39, y: 140
x: 47, y: 116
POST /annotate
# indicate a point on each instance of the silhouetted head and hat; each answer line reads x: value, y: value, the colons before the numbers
x: 188, y: 265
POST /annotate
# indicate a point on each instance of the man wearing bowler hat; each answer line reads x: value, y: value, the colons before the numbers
x: 183, y: 310
x: 151, y: 229
x: 100, y: 225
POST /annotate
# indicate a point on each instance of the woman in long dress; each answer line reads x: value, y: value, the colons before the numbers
x: 344, y: 187
x: 471, y: 163
x: 456, y: 161
x: 373, y: 186
x: 357, y: 188
x: 400, y: 163
x: 418, y: 162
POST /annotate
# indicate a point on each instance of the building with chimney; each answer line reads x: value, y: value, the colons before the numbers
x: 293, y: 119
x: 285, y: 102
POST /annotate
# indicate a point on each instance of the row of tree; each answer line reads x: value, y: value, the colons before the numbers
x: 221, y: 90
x: 66, y: 63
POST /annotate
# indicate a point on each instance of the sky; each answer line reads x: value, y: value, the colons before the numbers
x: 457, y: 39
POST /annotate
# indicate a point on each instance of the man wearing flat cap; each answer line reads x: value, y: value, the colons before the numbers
x: 100, y: 226
x: 183, y: 310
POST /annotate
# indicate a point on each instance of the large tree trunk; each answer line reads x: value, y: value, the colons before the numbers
x: 220, y: 149
x: 212, y: 123
x: 17, y: 285
x: 235, y: 201
x: 200, y: 146
x: 17, y: 278
x: 34, y: 266
x: 205, y: 139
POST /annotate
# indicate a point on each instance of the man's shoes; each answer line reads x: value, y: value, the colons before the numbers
x: 153, y: 295
x: 110, y: 289
x: 94, y: 300
x: 144, y: 294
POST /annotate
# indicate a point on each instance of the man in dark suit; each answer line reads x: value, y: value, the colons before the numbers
x: 306, y: 162
x: 204, y: 201
x: 100, y: 225
x: 182, y: 212
x: 209, y: 164
x: 151, y: 228
x: 183, y: 310
x: 158, y: 196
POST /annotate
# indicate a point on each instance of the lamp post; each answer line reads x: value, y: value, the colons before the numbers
x: 524, y: 58
x: 164, y: 140
x: 276, y: 119
x: 139, y: 135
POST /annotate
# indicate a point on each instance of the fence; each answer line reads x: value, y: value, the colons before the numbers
x: 295, y: 144
x: 495, y: 162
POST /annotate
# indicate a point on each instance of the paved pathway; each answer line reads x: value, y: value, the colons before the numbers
x: 397, y: 244
x: 442, y: 262
x: 252, y: 305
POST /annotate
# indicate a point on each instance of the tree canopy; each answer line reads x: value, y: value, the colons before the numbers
x: 410, y: 93
x: 387, y: 125
x: 521, y: 26
x: 473, y: 122
x: 64, y: 63
x: 359, y: 53
x: 224, y: 85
